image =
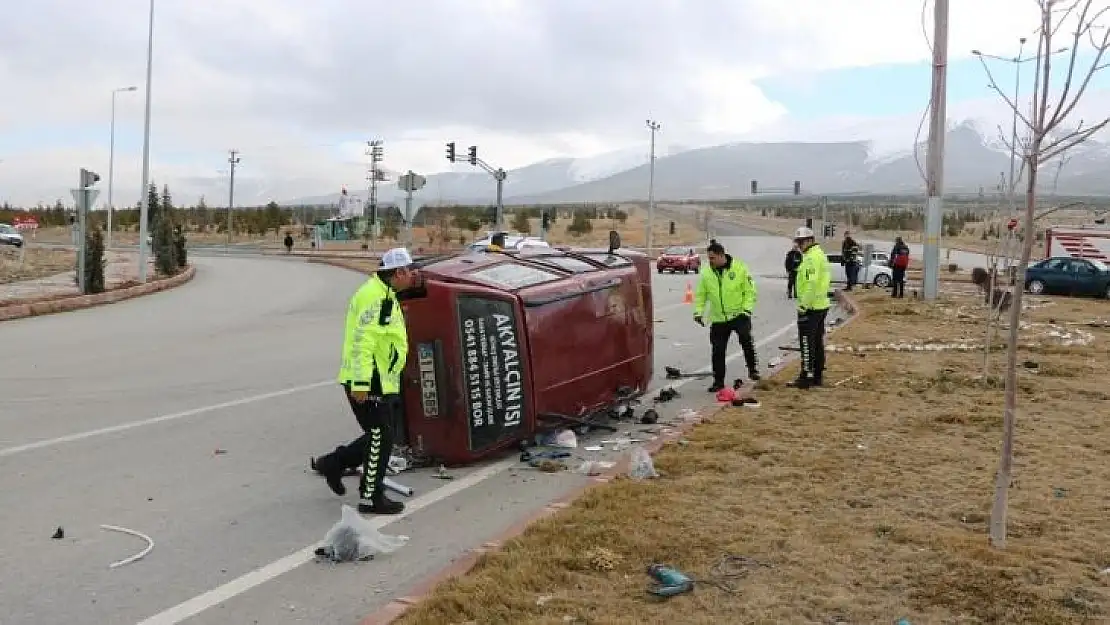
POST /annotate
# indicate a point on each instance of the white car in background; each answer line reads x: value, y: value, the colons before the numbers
x: 9, y: 235
x: 876, y: 273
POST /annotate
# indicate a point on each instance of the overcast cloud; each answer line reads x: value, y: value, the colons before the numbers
x: 299, y: 86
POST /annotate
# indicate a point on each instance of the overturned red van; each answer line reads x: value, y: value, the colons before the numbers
x: 502, y: 343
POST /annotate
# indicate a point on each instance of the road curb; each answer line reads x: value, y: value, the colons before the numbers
x: 464, y: 564
x: 78, y: 302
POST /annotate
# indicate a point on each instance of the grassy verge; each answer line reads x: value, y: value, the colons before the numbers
x: 862, y: 502
x: 32, y: 263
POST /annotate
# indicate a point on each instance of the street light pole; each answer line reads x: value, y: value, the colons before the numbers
x: 112, y: 159
x: 654, y: 127
x: 144, y: 207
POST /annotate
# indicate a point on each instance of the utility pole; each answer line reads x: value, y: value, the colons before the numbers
x: 654, y: 127
x: 934, y: 164
x: 234, y: 160
x: 374, y: 175
x: 824, y: 217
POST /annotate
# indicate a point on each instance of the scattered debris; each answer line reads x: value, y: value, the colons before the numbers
x: 688, y: 414
x: 397, y: 487
x: 640, y: 465
x: 442, y: 474
x: 549, y: 466
x: 59, y: 533
x: 397, y: 464
x: 649, y: 417
x: 1059, y: 493
x: 594, y: 467
x: 849, y: 379
x: 602, y: 559
x: 674, y: 373
x: 593, y: 448
x: 775, y: 362
x: 670, y: 581
x: 354, y: 538
x: 746, y: 402
x: 905, y: 347
x: 535, y: 455
x: 138, y: 556
x: 564, y: 439
x: 666, y: 395
x: 543, y: 599
x: 219, y: 452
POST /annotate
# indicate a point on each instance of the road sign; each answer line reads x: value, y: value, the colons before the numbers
x: 411, y: 182
x: 92, y: 194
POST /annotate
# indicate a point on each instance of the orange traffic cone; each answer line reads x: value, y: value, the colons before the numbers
x: 688, y: 297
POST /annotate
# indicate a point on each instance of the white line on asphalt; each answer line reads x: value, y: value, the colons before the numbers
x: 259, y: 576
x: 123, y: 427
x: 239, y: 585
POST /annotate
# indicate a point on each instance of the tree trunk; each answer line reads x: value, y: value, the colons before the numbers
x: 1006, y: 462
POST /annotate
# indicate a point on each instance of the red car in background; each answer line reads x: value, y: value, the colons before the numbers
x: 675, y: 259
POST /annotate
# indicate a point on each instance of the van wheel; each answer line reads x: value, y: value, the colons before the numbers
x: 660, y: 270
x: 882, y: 280
x: 685, y: 270
x: 1036, y: 287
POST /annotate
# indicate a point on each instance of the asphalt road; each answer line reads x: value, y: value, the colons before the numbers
x: 189, y: 415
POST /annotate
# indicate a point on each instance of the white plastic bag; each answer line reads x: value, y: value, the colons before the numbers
x: 354, y: 538
x: 640, y: 466
x: 565, y: 439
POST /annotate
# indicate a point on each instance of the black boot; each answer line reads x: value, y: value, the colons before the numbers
x: 381, y: 505
x: 331, y: 471
x: 753, y: 375
x: 802, y: 383
x: 716, y: 387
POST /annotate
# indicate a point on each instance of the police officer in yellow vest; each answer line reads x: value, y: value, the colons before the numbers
x: 814, y: 278
x: 375, y: 347
x: 730, y: 290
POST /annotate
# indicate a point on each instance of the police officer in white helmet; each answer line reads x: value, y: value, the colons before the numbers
x: 375, y: 347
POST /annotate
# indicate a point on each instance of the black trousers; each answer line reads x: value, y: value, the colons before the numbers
x: 719, y: 335
x: 371, y: 450
x: 898, y: 283
x: 851, y: 271
x: 791, y: 284
x: 811, y: 341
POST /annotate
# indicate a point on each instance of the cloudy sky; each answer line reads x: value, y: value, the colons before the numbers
x: 299, y: 87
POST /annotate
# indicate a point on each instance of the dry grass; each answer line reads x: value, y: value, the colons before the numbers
x: 35, y: 263
x: 867, y: 501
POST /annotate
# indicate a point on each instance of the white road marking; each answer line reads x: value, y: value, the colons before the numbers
x: 259, y: 576
x: 239, y: 585
x: 123, y: 427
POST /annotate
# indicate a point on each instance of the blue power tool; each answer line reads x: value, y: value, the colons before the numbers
x: 671, y: 581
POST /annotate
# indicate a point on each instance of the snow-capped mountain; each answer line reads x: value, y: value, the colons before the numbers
x: 976, y: 160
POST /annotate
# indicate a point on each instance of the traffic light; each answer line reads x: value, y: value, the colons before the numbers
x: 89, y: 178
x: 829, y: 229
x: 451, y: 151
x: 797, y: 187
x: 672, y: 228
x: 755, y: 187
x: 473, y: 154
x: 546, y: 219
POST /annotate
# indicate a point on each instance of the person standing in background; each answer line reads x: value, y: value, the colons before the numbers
x: 850, y: 258
x: 899, y: 262
x: 793, y: 261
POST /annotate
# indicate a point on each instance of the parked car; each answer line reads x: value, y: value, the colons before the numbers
x: 10, y: 236
x: 876, y: 273
x: 512, y: 242
x: 1065, y: 275
x: 679, y: 258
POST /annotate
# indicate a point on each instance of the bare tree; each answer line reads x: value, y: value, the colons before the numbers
x: 1047, y: 140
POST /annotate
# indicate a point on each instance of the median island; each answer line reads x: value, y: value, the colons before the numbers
x: 866, y: 501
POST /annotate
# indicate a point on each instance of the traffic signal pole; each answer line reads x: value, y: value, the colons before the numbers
x: 499, y: 174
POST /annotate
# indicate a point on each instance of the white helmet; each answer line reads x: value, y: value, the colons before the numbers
x: 396, y: 258
x: 803, y: 233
